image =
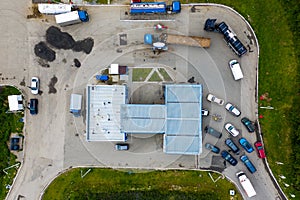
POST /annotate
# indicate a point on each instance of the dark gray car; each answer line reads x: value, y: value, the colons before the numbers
x: 232, y: 146
x: 213, y: 132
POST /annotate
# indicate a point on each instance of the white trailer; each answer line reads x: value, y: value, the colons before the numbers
x: 46, y: 8
x: 73, y: 17
x: 75, y: 104
x: 246, y: 184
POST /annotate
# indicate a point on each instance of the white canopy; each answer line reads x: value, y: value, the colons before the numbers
x: 15, y: 102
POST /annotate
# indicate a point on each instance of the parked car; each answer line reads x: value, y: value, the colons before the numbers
x: 248, y: 163
x: 233, y: 109
x: 248, y: 124
x: 34, y: 85
x: 212, y: 132
x: 260, y: 149
x: 229, y: 158
x: 212, y: 148
x: 231, y: 129
x: 246, y: 145
x: 213, y: 98
x: 234, y: 148
x: 122, y: 147
x: 33, y: 106
x: 204, y: 112
x: 236, y: 70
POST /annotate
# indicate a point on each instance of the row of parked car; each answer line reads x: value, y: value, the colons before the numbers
x: 230, y: 128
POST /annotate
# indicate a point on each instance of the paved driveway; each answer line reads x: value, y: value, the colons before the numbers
x: 56, y: 141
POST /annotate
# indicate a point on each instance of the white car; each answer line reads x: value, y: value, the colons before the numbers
x: 233, y: 109
x: 236, y: 70
x: 204, y: 112
x: 231, y: 129
x: 213, y: 98
x: 35, y: 85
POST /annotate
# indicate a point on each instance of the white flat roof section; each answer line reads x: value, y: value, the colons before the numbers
x: 140, y: 118
x: 15, y: 102
x: 183, y: 133
x: 114, y: 69
x: 103, y: 112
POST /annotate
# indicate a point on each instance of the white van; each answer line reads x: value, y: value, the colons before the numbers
x: 236, y: 70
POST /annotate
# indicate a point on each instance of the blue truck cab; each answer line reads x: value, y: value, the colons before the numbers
x: 175, y: 7
x: 83, y: 16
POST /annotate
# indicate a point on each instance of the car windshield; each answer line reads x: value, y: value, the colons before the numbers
x: 247, y: 145
x: 234, y: 62
x: 259, y: 147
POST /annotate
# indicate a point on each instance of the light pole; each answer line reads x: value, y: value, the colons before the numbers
x: 267, y: 107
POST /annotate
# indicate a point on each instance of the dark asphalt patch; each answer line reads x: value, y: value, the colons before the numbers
x: 85, y: 45
x: 59, y: 39
x: 77, y: 63
x: 43, y: 51
x: 51, y: 85
x: 63, y: 40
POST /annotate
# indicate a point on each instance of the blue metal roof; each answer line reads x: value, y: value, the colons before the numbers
x: 183, y: 122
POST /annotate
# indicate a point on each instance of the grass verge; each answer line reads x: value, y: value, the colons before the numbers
x: 165, y: 74
x: 155, y: 77
x: 140, y: 74
x: 115, y: 184
x: 9, y: 124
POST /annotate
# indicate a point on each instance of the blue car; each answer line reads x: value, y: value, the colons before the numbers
x: 212, y: 148
x: 232, y: 146
x: 248, y: 163
x: 229, y: 158
x: 246, y: 145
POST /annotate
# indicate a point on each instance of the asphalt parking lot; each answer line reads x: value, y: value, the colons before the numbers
x: 55, y: 140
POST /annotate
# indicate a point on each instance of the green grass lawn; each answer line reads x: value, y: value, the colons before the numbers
x: 140, y: 74
x: 155, y: 77
x: 9, y: 124
x: 165, y: 74
x: 116, y: 184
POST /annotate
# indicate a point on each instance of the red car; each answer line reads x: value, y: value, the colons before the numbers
x: 260, y: 149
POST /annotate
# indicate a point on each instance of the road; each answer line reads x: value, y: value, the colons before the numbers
x: 55, y: 140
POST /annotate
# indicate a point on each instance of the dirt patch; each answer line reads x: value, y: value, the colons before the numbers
x: 43, y: 51
x: 149, y: 93
x: 35, y: 12
x: 51, y: 85
x: 22, y: 83
x: 43, y: 63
